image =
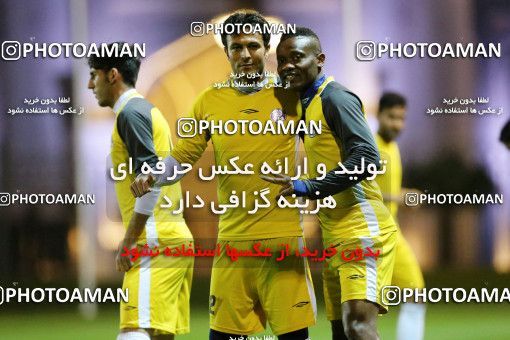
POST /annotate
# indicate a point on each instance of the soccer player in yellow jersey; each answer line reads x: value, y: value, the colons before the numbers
x: 250, y: 291
x: 406, y: 272
x: 352, y: 289
x: 159, y: 287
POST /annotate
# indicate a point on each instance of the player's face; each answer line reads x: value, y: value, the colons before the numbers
x: 100, y: 86
x: 391, y: 122
x: 298, y: 62
x: 246, y: 53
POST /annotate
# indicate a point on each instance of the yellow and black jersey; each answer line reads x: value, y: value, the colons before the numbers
x: 345, y: 138
x: 142, y: 134
x: 391, y: 181
x: 217, y: 106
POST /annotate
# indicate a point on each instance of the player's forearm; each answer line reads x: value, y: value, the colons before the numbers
x: 186, y: 151
x: 135, y: 229
x: 144, y: 206
x: 172, y: 173
x: 334, y: 183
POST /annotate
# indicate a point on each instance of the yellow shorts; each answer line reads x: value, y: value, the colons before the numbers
x: 159, y: 292
x: 406, y: 272
x: 247, y: 292
x: 361, y: 279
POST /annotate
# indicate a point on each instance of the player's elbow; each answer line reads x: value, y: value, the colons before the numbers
x: 376, y: 158
x: 372, y: 155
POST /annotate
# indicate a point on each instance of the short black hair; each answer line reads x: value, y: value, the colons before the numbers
x: 128, y: 66
x: 302, y: 32
x: 247, y: 17
x: 504, y: 137
x: 391, y: 99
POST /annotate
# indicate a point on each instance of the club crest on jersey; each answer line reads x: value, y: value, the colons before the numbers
x: 277, y: 114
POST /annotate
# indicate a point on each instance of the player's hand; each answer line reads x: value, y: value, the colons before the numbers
x: 287, y: 188
x: 142, y: 185
x: 122, y: 262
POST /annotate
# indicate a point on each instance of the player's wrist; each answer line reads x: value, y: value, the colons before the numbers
x: 300, y: 188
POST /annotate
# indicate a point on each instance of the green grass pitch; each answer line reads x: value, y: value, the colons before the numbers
x: 445, y: 321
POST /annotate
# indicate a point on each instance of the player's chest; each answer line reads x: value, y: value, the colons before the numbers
x: 250, y: 123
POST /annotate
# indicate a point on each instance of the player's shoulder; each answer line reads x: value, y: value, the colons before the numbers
x: 208, y: 94
x: 338, y: 95
x: 137, y: 108
x: 208, y: 91
x: 137, y: 105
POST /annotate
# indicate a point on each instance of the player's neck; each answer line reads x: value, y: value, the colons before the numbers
x: 385, y: 138
x: 314, y: 85
x: 118, y: 92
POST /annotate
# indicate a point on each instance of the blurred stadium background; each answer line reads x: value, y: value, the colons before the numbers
x: 64, y: 246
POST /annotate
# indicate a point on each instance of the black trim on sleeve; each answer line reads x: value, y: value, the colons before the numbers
x: 344, y: 114
x: 134, y: 125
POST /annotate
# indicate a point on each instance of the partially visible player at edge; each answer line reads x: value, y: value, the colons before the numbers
x: 159, y: 287
x: 406, y: 272
x: 352, y: 290
x: 504, y: 137
x: 247, y: 292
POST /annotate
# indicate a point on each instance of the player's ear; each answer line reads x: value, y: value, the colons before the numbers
x: 321, y: 58
x: 113, y: 75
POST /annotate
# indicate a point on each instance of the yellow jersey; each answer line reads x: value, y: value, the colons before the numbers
x: 359, y: 211
x: 219, y: 105
x: 142, y: 134
x: 391, y: 181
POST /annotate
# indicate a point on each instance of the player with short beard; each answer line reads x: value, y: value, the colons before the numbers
x: 247, y: 292
x: 406, y: 272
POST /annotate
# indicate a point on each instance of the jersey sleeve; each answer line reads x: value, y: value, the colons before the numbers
x: 344, y: 114
x: 135, y: 129
x: 190, y: 149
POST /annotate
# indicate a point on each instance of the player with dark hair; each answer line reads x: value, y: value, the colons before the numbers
x: 250, y: 291
x: 504, y: 137
x: 247, y: 17
x: 352, y: 289
x: 392, y: 100
x: 406, y: 272
x: 159, y: 287
x: 127, y: 66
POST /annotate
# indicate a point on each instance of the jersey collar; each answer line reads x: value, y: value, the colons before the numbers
x: 310, y: 92
x: 123, y: 99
